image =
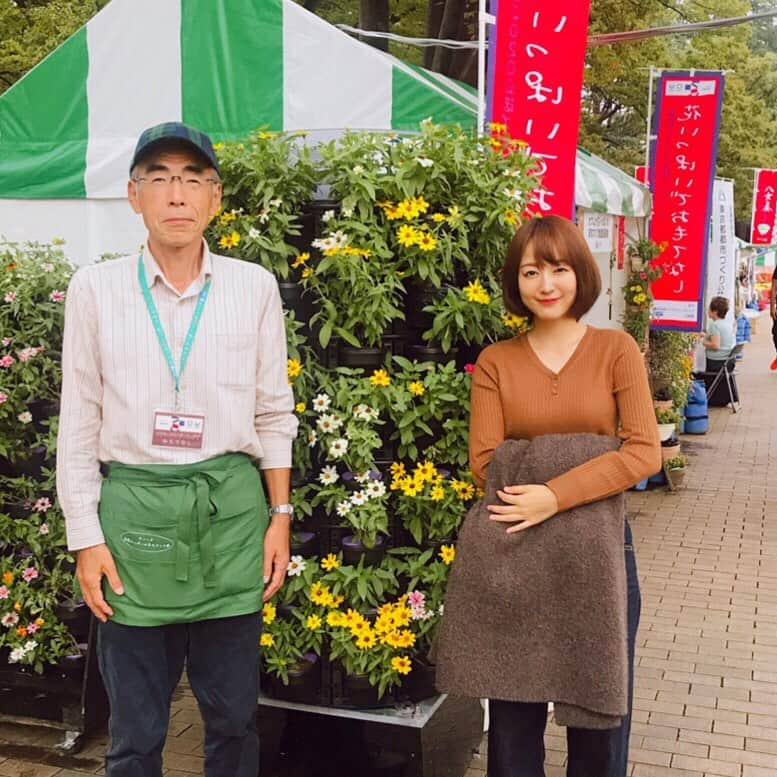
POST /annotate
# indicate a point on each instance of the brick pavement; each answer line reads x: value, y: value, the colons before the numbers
x: 706, y: 676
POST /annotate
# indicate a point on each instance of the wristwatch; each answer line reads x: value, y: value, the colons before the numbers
x: 284, y: 509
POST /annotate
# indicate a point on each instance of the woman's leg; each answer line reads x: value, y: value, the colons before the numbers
x: 516, y: 747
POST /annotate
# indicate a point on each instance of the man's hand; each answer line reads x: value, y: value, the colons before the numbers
x: 276, y: 554
x: 527, y: 505
x: 92, y: 563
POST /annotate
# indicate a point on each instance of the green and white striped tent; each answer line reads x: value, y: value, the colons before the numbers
x: 67, y: 129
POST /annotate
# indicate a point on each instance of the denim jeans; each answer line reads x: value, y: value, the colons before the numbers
x: 141, y: 666
x: 515, y: 731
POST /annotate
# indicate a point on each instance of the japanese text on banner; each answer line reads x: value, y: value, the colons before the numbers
x: 536, y: 89
x: 764, y: 226
x: 681, y: 175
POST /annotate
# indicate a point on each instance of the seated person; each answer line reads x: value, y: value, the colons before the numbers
x: 718, y: 341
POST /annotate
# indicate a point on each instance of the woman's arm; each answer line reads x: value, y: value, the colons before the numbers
x: 486, y: 426
x: 640, y: 453
x: 712, y: 338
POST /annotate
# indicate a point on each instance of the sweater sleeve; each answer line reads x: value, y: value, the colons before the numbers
x: 487, y: 426
x: 640, y: 454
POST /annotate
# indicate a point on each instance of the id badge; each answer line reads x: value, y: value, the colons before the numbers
x: 177, y: 430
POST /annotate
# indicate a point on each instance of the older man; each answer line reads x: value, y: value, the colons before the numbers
x: 174, y: 382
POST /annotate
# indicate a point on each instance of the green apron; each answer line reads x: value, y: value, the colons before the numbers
x: 188, y: 539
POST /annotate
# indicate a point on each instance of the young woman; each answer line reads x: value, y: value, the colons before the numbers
x: 718, y: 341
x: 562, y: 377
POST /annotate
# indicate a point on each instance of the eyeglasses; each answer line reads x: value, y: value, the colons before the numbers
x: 191, y: 183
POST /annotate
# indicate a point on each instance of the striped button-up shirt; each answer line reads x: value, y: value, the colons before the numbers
x: 115, y: 376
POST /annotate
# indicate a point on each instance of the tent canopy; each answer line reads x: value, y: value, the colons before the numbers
x: 68, y: 128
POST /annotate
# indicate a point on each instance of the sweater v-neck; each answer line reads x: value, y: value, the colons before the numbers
x: 572, y: 357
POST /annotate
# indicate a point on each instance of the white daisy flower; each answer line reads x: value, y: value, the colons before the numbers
x: 328, y: 216
x: 312, y: 438
x: 253, y: 233
x: 264, y: 216
x: 358, y: 170
x: 359, y: 498
x: 326, y: 423
x: 375, y: 489
x: 325, y: 243
x: 343, y: 508
x: 296, y: 566
x: 10, y: 619
x: 321, y: 402
x: 347, y: 212
x: 31, y: 644
x: 276, y: 203
x: 17, y: 654
x: 338, y: 448
x: 362, y: 477
x: 514, y: 193
x: 25, y: 417
x: 328, y: 475
x: 424, y: 161
x: 340, y: 238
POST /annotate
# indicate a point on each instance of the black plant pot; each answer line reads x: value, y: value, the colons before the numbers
x: 353, y: 551
x: 42, y: 410
x: 303, y: 543
x: 76, y: 616
x: 295, y: 299
x: 304, y: 682
x: 419, y: 296
x: 286, y: 611
x: 425, y: 353
x: 358, y: 692
x: 364, y: 358
x: 419, y: 684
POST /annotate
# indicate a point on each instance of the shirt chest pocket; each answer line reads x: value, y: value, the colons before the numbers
x: 236, y: 359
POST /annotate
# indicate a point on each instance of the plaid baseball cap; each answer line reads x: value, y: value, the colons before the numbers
x: 175, y: 130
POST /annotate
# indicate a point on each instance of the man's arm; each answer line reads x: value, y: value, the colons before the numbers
x: 78, y: 467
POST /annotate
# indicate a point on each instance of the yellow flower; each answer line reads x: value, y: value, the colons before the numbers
x: 417, y: 388
x: 301, y: 259
x: 336, y: 601
x: 366, y: 640
x: 319, y: 594
x: 231, y: 240
x: 407, y: 236
x: 334, y: 618
x: 419, y: 205
x: 218, y: 146
x: 392, y: 211
x: 425, y: 471
x: 476, y: 293
x: 454, y: 215
x: 438, y: 494
x: 402, y: 616
x: 7, y: 578
x: 448, y: 553
x: 268, y: 613
x: 293, y: 368
x: 307, y: 272
x: 352, y: 618
x: 438, y: 217
x: 410, y: 488
x: 511, y: 217
x: 380, y: 378
x: 313, y: 622
x: 497, y: 128
x: 401, y: 664
x: 227, y: 217
x: 513, y: 321
x: 17, y: 606
x: 39, y: 621
x: 426, y: 241
x: 300, y: 407
x: 330, y: 562
x: 267, y: 640
x: 397, y: 471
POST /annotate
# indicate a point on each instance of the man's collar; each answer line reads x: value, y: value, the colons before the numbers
x: 154, y: 271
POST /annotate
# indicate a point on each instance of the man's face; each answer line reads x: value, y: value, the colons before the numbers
x: 176, y: 195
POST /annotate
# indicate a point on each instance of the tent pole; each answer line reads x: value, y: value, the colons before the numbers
x: 481, y: 66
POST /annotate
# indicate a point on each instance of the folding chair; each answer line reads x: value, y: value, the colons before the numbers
x: 725, y: 373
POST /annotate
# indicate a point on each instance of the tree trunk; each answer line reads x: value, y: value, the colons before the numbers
x: 433, y: 21
x: 454, y: 10
x: 374, y: 16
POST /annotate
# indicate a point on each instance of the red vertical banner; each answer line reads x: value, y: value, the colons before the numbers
x: 536, y: 89
x: 641, y: 174
x: 682, y: 173
x: 621, y: 247
x: 763, y: 230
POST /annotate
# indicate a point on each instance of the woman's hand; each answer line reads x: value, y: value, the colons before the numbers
x: 529, y: 505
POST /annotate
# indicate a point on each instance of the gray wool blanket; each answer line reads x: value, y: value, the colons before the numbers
x: 540, y: 615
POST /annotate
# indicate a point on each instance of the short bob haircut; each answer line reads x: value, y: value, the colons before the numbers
x: 720, y: 306
x: 552, y: 240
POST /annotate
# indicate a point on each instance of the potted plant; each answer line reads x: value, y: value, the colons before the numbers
x: 667, y: 423
x: 676, y: 467
x: 637, y: 295
x: 670, y: 448
x: 662, y: 399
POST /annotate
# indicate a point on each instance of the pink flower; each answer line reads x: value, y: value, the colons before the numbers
x: 30, y: 573
x: 42, y: 504
x: 44, y: 528
x: 10, y: 619
x: 7, y: 341
x: 32, y: 628
x: 3, y: 397
x: 7, y: 361
x: 643, y: 275
x: 470, y: 368
x: 3, y: 592
x: 26, y: 354
x: 10, y: 297
x: 57, y: 296
x: 416, y: 599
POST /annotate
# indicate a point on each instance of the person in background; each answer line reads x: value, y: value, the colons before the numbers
x: 719, y: 337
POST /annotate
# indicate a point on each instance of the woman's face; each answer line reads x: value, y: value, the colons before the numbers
x: 547, y: 290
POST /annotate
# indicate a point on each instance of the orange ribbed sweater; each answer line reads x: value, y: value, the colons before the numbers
x: 602, y: 389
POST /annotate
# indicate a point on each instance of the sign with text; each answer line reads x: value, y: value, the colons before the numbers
x: 721, y: 264
x: 682, y: 173
x: 764, y: 226
x: 598, y: 231
x: 535, y: 89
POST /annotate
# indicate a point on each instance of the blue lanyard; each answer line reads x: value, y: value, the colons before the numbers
x: 160, y: 332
